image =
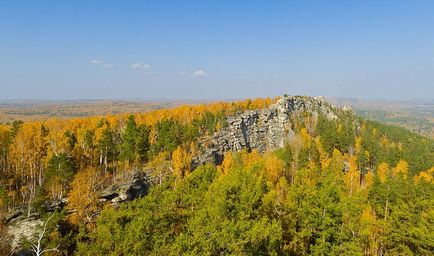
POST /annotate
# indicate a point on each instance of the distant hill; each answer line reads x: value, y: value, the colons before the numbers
x: 30, y: 110
x: 415, y: 115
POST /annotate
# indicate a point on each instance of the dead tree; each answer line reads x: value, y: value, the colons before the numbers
x: 37, y: 247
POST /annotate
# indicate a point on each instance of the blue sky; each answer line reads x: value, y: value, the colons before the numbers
x: 216, y: 49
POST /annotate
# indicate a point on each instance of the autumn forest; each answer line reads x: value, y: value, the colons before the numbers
x: 343, y: 186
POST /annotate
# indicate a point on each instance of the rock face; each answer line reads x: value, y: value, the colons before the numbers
x: 126, y: 191
x: 23, y: 227
x: 261, y: 129
x: 51, y: 206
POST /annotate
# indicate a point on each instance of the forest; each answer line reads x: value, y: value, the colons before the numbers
x: 339, y: 187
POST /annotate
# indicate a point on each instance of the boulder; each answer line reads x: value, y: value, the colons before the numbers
x: 120, y: 192
x: 53, y: 205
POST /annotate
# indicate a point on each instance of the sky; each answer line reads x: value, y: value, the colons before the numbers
x: 215, y: 49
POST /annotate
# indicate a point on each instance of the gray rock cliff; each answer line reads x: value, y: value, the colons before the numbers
x: 261, y: 129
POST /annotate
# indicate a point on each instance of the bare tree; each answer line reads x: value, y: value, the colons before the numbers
x: 37, y: 247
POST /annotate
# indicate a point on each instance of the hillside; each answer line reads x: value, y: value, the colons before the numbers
x: 294, y: 175
x: 415, y: 115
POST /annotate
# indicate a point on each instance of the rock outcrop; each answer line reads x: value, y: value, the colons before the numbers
x: 23, y: 227
x: 126, y: 191
x: 261, y: 129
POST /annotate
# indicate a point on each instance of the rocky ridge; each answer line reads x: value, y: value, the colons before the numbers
x: 262, y: 129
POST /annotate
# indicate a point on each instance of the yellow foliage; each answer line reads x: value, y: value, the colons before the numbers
x: 218, y: 126
x: 193, y: 149
x: 305, y: 137
x: 400, y: 146
x: 371, y: 230
x: 311, y: 165
x: 158, y: 160
x: 383, y: 171
x: 4, y: 134
x: 339, y: 127
x: 83, y: 197
x: 153, y: 135
x: 369, y: 179
x: 374, y: 131
x: 186, y: 113
x: 274, y: 168
x: 358, y: 145
x: 336, y: 162
x: 401, y: 168
x: 427, y: 176
x: 384, y: 141
x: 228, y: 162
x: 352, y: 176
x: 368, y: 215
x: 282, y: 187
x: 325, y: 162
x: 250, y: 159
x: 181, y: 161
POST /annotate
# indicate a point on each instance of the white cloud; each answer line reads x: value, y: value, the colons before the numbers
x: 200, y: 73
x: 101, y: 63
x: 137, y: 66
x: 95, y: 61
